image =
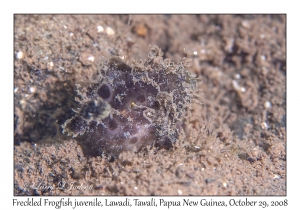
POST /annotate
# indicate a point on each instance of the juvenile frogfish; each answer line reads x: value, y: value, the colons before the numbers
x: 133, y: 105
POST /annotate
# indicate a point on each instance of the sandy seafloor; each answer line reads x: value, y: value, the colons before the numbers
x: 235, y: 141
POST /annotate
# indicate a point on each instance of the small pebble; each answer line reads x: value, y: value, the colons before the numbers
x: 110, y: 31
x: 20, y: 55
x: 100, y: 29
x: 268, y: 104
